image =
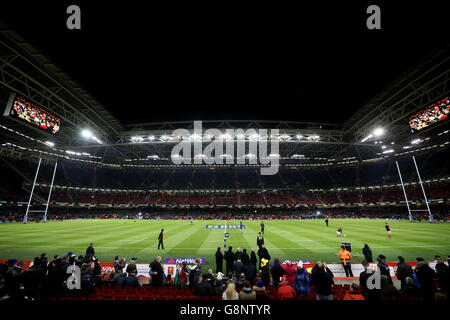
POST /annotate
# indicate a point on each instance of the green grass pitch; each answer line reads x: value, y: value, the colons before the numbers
x: 308, y: 240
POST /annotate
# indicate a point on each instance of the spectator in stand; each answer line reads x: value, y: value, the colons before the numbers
x: 44, y: 262
x: 290, y: 271
x: 31, y: 278
x: 203, y: 288
x: 181, y: 278
x: 265, y: 272
x: 194, y: 274
x: 230, y: 293
x: 245, y: 257
x: 240, y: 281
x: 277, y: 272
x: 219, y: 260
x: 253, y: 259
x: 247, y: 293
x: 425, y: 276
x: 260, y: 290
x: 217, y: 287
x: 322, y: 279
x: 90, y: 250
x: 229, y: 260
x: 367, y: 252
x: 384, y: 268
x: 410, y: 289
x: 250, y: 272
x: 302, y: 284
x: 238, y: 267
x: 168, y: 281
x: 132, y: 281
x: 263, y: 253
x: 388, y: 290
x: 131, y: 267
x: 13, y: 279
x: 86, y: 268
x: 156, y: 272
x: 120, y: 280
x: 285, y: 291
x: 79, y: 261
x: 443, y: 275
x: 354, y: 293
x: 119, y: 264
x: 238, y: 255
x: 403, y: 271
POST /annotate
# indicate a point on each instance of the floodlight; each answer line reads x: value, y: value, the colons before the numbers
x: 86, y: 133
x: 378, y: 132
x: 416, y: 141
x: 49, y: 143
x: 388, y: 151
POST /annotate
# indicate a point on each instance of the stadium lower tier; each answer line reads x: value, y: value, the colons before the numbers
x: 63, y: 195
x: 440, y: 212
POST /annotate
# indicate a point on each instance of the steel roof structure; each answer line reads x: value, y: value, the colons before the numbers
x: 26, y: 71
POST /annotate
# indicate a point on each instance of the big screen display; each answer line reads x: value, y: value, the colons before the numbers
x: 426, y: 117
x: 26, y: 110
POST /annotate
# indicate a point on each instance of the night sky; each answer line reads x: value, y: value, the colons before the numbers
x: 305, y: 63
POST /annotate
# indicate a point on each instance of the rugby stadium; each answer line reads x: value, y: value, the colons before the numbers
x: 82, y: 189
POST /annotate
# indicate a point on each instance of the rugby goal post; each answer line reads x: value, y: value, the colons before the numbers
x: 410, y: 216
x: 44, y: 218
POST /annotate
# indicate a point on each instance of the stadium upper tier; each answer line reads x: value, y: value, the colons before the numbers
x: 382, y: 172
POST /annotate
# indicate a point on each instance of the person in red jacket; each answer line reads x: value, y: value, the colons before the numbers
x: 290, y: 273
x: 285, y: 291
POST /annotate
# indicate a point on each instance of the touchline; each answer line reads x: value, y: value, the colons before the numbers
x: 232, y: 146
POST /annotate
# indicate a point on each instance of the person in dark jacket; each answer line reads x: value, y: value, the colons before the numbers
x: 120, y: 280
x: 384, y: 268
x: 403, y: 271
x: 219, y: 260
x: 131, y: 267
x: 265, y: 272
x: 367, y: 252
x: 302, y: 283
x: 44, y: 262
x: 119, y: 264
x: 322, y: 279
x: 263, y: 253
x: 245, y: 257
x: 259, y: 240
x: 253, y: 259
x: 160, y: 239
x: 157, y: 272
x: 229, y: 259
x: 369, y: 294
x: 277, y: 272
x: 249, y: 272
x: 194, y: 274
x: 31, y: 278
x: 132, y: 281
x: 443, y: 275
x: 425, y: 276
x: 90, y: 252
x: 238, y: 255
x: 204, y: 288
x: 238, y: 268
